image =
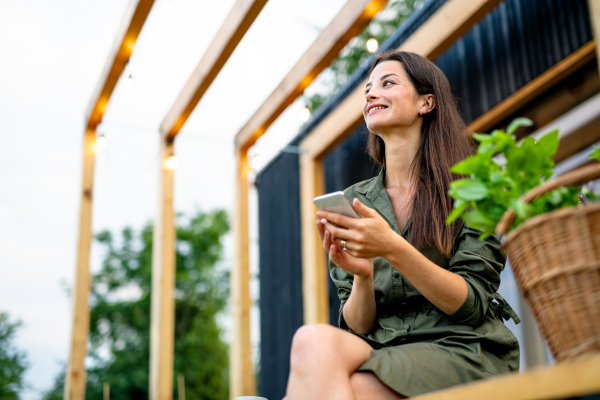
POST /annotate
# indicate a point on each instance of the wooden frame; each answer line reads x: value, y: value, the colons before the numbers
x: 235, y: 26
x: 567, y: 380
x: 131, y: 25
x: 350, y: 21
x: 440, y: 31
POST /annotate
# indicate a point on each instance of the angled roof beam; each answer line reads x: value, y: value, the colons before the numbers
x: 135, y: 15
x: 349, y: 22
x: 241, y: 16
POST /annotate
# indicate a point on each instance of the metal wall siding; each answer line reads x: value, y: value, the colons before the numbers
x: 280, y: 255
x: 511, y: 46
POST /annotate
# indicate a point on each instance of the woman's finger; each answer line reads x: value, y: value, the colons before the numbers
x: 321, y: 229
x: 326, y: 241
x: 337, y: 232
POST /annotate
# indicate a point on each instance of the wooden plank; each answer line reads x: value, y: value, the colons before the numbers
x: 594, y: 7
x: 512, y: 103
x: 349, y: 22
x: 566, y: 380
x: 162, y: 314
x: 438, y: 33
x: 237, y: 23
x: 74, y: 388
x: 135, y: 15
x: 242, y: 382
x: 315, y: 293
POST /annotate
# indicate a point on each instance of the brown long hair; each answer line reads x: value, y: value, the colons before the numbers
x: 443, y: 144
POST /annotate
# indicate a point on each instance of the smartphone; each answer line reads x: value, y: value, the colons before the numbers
x: 336, y: 202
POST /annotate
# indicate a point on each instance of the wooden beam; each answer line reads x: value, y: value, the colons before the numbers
x: 349, y: 22
x: 549, y: 78
x: 242, y: 382
x: 239, y: 19
x: 566, y: 380
x: 131, y: 25
x: 594, y: 7
x: 162, y: 322
x: 74, y: 388
x: 438, y: 33
x: 315, y: 293
x: 135, y: 15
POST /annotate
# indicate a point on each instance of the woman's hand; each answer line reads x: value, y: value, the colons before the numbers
x: 367, y: 237
x: 356, y: 266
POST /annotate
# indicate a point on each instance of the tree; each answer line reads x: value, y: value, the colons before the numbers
x: 13, y: 362
x: 356, y: 54
x: 120, y: 313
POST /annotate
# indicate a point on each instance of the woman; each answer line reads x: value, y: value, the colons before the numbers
x: 416, y: 295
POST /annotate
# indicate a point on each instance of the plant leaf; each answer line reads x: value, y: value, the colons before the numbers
x: 595, y: 154
x: 459, y: 208
x: 478, y: 220
x: 549, y: 143
x: 517, y: 123
x: 468, y: 189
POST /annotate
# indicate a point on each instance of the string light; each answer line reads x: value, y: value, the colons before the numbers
x: 305, y: 114
x: 256, y: 163
x: 172, y: 163
x: 129, y: 82
x: 101, y: 141
x: 372, y: 45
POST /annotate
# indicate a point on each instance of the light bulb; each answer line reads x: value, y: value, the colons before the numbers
x: 172, y: 163
x: 101, y: 141
x: 372, y: 45
x: 166, y: 5
x: 305, y: 114
x: 256, y: 163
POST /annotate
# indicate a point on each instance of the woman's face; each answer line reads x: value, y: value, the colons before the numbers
x: 390, y: 98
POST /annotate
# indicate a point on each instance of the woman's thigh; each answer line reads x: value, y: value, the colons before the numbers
x: 367, y: 386
x: 326, y: 345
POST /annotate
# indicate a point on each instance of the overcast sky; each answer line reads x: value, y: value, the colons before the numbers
x: 51, y: 56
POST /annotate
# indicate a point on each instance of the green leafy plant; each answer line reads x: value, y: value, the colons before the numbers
x: 492, y: 186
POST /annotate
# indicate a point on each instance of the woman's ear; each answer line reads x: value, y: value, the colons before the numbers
x: 428, y: 103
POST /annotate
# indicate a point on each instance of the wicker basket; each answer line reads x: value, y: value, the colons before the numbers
x: 555, y: 258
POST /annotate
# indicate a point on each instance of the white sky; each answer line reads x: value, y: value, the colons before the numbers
x: 51, y: 56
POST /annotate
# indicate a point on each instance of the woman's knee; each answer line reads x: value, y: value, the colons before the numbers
x: 366, y: 385
x: 313, y: 344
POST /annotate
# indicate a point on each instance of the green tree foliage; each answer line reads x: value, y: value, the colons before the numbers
x: 12, y: 361
x: 356, y: 54
x: 120, y: 313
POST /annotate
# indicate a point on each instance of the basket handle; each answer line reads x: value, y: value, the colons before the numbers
x: 577, y: 176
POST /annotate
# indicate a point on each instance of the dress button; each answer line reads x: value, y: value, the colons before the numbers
x: 396, y: 274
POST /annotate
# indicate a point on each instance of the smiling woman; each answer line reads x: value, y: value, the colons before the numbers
x: 417, y: 296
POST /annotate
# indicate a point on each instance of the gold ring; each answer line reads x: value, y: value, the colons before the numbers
x: 343, y: 243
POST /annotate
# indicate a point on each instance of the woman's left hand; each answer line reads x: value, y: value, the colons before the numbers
x: 366, y: 237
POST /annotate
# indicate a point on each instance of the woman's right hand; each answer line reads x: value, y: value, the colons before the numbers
x: 362, y: 267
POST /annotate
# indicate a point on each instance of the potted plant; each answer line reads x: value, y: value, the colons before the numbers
x: 552, y: 230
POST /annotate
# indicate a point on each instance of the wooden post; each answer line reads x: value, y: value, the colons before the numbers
x: 75, y: 377
x: 314, y: 269
x: 162, y: 325
x: 106, y: 391
x: 242, y: 382
x: 594, y: 6
x: 181, y: 387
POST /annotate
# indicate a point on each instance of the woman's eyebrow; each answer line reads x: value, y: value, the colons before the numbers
x: 387, y: 75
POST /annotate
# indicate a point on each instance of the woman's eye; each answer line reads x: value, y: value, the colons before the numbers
x: 387, y: 83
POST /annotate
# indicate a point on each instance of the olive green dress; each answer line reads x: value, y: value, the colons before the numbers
x: 417, y: 347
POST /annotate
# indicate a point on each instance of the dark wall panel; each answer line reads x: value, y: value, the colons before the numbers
x: 280, y: 271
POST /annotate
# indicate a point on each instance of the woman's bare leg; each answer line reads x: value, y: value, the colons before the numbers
x: 366, y: 386
x: 322, y: 360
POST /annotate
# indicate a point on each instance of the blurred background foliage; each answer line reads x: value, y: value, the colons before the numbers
x: 119, y: 350
x: 356, y: 54
x: 13, y: 362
